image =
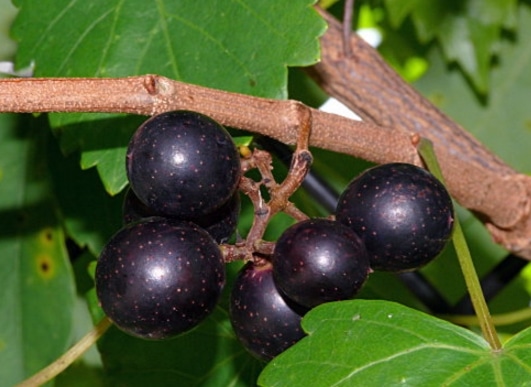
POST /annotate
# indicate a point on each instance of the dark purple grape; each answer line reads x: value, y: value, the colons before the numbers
x: 133, y: 209
x: 319, y: 260
x: 264, y: 321
x: 182, y: 164
x: 157, y: 278
x: 402, y: 212
x: 220, y: 224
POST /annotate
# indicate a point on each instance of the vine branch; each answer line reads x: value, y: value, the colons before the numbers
x: 392, y: 111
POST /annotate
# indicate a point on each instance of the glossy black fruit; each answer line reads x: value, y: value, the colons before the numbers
x: 182, y: 164
x: 402, y: 212
x: 158, y: 278
x: 264, y: 321
x: 220, y: 224
x: 319, y: 260
x: 133, y: 209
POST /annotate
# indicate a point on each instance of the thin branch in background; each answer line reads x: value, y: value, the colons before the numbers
x: 347, y: 27
x: 493, y: 282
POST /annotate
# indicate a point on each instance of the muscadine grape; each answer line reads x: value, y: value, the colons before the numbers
x: 220, y: 224
x: 402, y: 212
x: 133, y: 209
x: 157, y: 278
x: 264, y: 321
x: 182, y: 164
x: 319, y: 260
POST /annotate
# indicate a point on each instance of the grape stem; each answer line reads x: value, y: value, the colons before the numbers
x: 254, y: 247
x: 58, y: 366
x: 425, y: 148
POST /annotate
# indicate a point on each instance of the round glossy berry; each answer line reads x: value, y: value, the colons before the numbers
x: 264, y: 321
x: 220, y: 224
x: 182, y: 164
x: 319, y: 260
x: 402, y: 212
x: 157, y: 278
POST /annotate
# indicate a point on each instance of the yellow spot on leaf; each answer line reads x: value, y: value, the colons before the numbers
x: 45, y: 266
x: 46, y: 236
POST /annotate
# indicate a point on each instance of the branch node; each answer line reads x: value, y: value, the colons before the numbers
x: 150, y: 84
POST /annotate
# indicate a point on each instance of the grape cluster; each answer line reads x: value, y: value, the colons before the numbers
x: 394, y: 217
x: 163, y: 272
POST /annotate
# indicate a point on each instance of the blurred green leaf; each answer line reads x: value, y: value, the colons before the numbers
x: 90, y: 215
x: 398, y: 10
x: 502, y: 120
x: 241, y: 46
x: 379, y: 343
x: 468, y: 31
x: 37, y: 296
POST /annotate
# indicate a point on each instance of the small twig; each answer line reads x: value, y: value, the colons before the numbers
x: 62, y: 363
x: 347, y: 27
x: 279, y: 194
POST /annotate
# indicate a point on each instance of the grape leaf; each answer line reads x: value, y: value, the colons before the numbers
x: 37, y: 296
x: 380, y: 343
x: 243, y: 46
x: 501, y: 121
x: 90, y: 216
x: 398, y: 10
x: 467, y: 31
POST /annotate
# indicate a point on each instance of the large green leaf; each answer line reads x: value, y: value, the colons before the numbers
x: 379, y: 343
x: 243, y: 46
x: 37, y: 295
x: 501, y: 121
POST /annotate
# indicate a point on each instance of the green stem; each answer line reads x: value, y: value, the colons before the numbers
x: 425, y: 148
x: 58, y: 366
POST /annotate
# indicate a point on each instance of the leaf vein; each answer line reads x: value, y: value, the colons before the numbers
x: 404, y: 352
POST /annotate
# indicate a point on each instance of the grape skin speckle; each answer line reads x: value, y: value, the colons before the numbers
x: 158, y: 286
x: 173, y: 156
x: 405, y: 223
x: 265, y: 322
x: 319, y: 260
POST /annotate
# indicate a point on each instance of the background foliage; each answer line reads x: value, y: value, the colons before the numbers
x: 62, y: 178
